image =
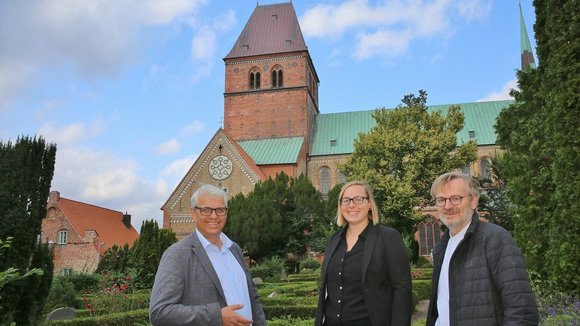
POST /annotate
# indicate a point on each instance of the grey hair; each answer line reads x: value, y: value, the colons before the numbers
x: 210, y: 190
x: 471, y: 184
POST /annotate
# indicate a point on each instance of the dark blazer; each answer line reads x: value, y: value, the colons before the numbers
x: 386, y: 277
x: 187, y: 290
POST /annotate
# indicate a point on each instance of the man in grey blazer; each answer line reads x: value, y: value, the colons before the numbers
x: 202, y: 279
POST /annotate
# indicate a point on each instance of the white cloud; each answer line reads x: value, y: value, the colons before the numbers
x: 69, y: 134
x: 102, y: 179
x: 168, y: 147
x: 92, y: 38
x: 503, y: 94
x: 203, y: 44
x: 387, y: 29
x: 195, y: 127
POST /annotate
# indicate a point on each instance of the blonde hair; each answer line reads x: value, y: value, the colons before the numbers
x: 373, y: 213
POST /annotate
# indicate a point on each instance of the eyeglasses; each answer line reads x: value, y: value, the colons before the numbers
x: 358, y: 200
x: 454, y: 200
x: 206, y: 211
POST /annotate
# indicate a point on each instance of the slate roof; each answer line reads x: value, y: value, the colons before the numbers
x: 271, y: 29
x: 106, y: 222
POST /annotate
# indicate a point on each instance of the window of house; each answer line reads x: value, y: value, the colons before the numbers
x: 324, y: 181
x: 62, y: 237
x: 277, y: 77
x: 254, y: 82
x: 485, y: 169
x: 66, y: 271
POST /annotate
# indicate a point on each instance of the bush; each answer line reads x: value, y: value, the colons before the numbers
x: 84, y: 282
x: 62, y: 294
x: 290, y: 321
x: 135, y: 317
x: 309, y: 263
x: 269, y: 270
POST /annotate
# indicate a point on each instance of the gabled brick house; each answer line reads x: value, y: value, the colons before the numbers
x: 81, y: 233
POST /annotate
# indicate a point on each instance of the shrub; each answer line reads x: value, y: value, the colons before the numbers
x: 62, y: 294
x: 309, y: 263
x: 84, y: 282
x: 139, y: 317
x: 269, y: 270
x: 290, y: 321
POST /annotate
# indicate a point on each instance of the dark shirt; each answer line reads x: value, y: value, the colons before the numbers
x: 345, y: 304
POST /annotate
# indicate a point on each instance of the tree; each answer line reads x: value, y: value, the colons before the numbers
x: 402, y: 155
x: 115, y: 259
x: 275, y: 219
x: 26, y: 170
x: 146, y: 252
x: 494, y: 203
x: 541, y: 135
x: 326, y: 225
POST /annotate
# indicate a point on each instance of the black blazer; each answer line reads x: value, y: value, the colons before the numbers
x: 386, y: 277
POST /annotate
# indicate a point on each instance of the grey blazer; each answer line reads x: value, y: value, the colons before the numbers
x: 187, y: 290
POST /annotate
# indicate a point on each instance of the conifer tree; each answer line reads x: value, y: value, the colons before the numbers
x: 26, y: 170
x: 541, y: 135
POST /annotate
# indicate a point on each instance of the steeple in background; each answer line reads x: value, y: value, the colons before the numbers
x: 527, y: 54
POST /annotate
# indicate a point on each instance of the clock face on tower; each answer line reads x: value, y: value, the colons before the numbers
x: 220, y: 167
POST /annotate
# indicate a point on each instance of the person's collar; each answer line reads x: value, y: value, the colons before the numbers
x: 461, y: 233
x: 226, y: 242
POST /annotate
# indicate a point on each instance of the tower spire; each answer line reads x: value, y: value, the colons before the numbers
x: 527, y: 57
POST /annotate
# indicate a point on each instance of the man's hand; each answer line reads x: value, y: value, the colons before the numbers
x: 231, y: 318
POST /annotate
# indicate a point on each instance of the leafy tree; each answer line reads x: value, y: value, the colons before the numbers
x: 402, y: 155
x: 115, y: 259
x: 146, y: 252
x: 540, y: 133
x: 26, y: 170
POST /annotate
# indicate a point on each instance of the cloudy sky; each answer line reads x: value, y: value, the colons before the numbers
x: 131, y: 91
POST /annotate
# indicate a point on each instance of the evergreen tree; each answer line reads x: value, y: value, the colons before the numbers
x: 26, y: 170
x: 541, y: 134
x: 146, y: 252
x: 275, y: 219
x: 115, y: 259
x: 402, y: 155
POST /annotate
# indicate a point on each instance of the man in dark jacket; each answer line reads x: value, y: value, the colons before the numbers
x: 479, y: 275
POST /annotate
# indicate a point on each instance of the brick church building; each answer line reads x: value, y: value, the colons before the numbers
x: 273, y: 122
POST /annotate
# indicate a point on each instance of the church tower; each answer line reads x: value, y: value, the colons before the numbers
x: 271, y: 86
x: 527, y: 57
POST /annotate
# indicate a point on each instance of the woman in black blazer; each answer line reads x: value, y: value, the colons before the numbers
x: 366, y: 277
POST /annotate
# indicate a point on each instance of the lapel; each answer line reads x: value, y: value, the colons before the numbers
x: 370, y: 241
x: 203, y: 258
x: 330, y: 250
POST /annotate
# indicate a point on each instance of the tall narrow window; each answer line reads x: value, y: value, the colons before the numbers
x: 62, y: 237
x: 429, y: 235
x: 324, y: 181
x: 277, y: 77
x: 254, y: 80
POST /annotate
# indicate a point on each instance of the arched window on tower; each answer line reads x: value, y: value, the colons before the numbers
x: 254, y: 80
x: 324, y: 181
x: 277, y: 77
x: 485, y: 169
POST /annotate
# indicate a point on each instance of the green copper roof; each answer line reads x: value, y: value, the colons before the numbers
x: 273, y: 150
x: 335, y: 132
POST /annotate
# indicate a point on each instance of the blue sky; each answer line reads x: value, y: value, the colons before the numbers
x: 131, y: 91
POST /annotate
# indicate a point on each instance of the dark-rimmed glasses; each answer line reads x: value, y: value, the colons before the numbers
x: 206, y: 211
x: 454, y: 200
x: 358, y: 200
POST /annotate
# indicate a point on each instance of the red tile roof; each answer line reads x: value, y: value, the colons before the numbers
x: 107, y: 223
x: 271, y: 29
